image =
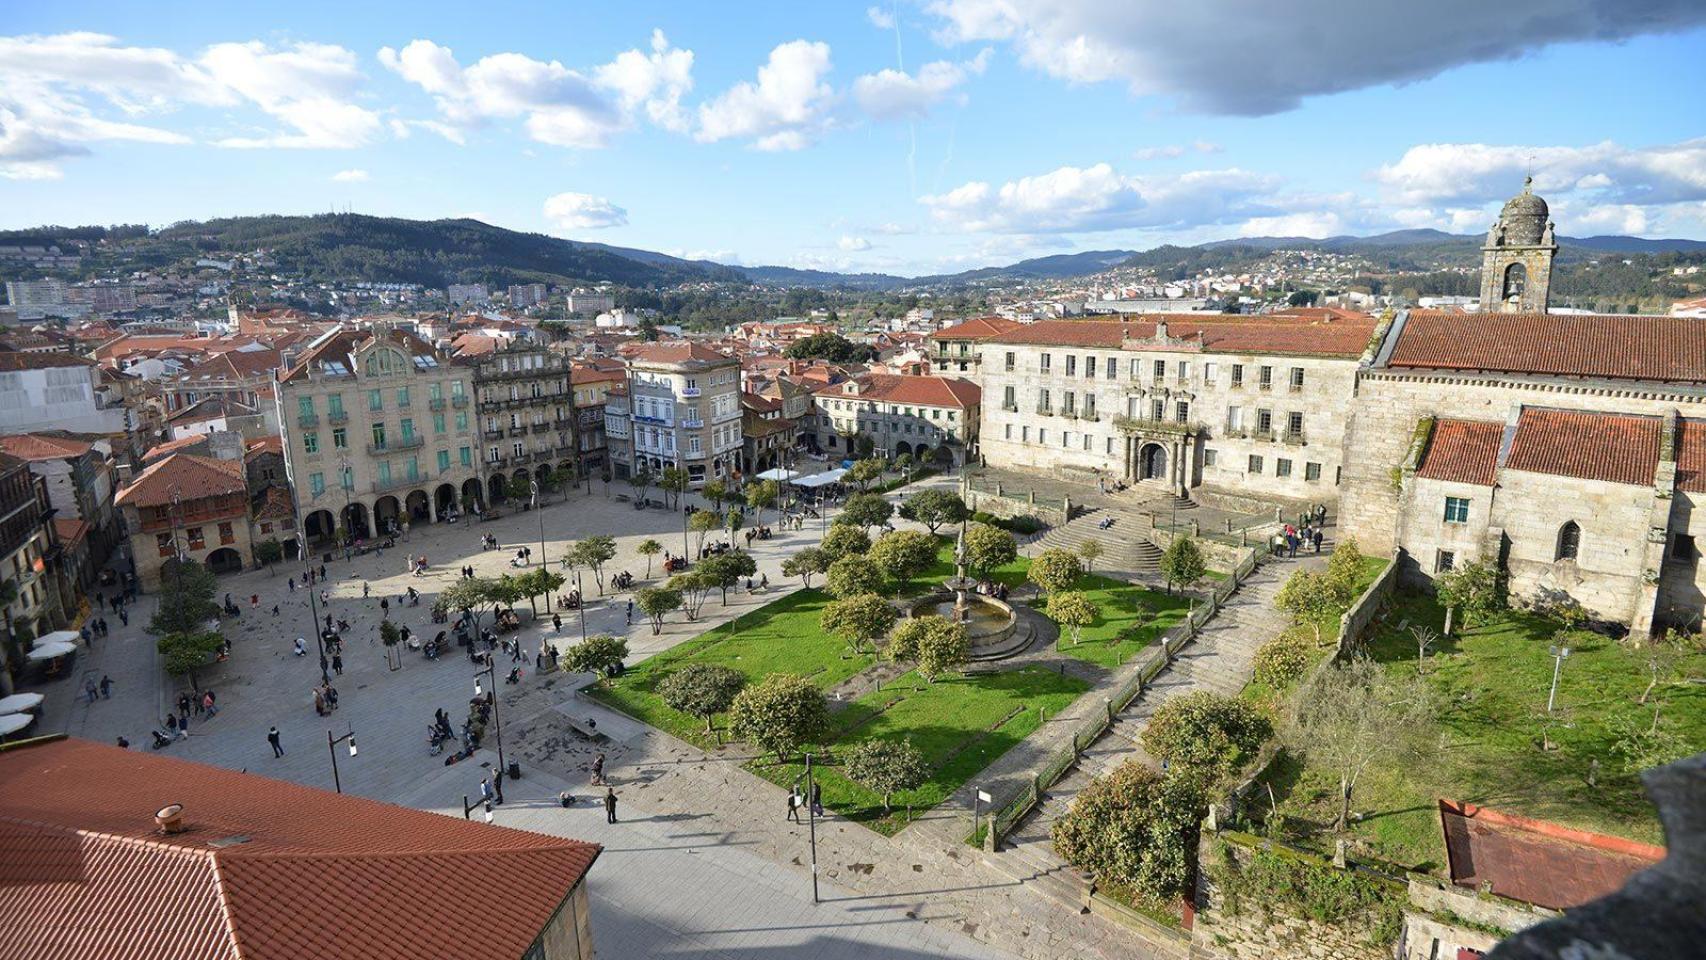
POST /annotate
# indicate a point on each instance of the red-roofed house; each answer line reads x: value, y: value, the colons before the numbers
x: 80, y: 481
x: 960, y: 347
x: 193, y: 861
x: 191, y: 507
x: 932, y: 419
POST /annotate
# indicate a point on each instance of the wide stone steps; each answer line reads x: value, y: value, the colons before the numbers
x: 1030, y: 859
x: 1123, y: 549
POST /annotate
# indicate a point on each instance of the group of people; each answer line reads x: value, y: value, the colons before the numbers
x: 204, y: 704
x: 325, y: 699
x: 1308, y: 535
x: 992, y: 588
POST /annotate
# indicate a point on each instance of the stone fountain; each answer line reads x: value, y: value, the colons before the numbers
x: 988, y: 622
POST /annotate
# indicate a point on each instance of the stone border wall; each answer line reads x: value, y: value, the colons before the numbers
x: 1353, y: 622
x: 1007, y: 505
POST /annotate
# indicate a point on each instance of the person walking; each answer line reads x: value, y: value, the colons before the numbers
x: 106, y: 687
x: 630, y: 614
x: 598, y: 770
x: 795, y: 801
x: 292, y: 584
x: 273, y: 739
x: 817, y: 799
x: 338, y: 664
x: 124, y: 616
x: 90, y: 694
x: 609, y: 805
x: 1316, y: 539
x: 556, y: 623
x: 486, y: 788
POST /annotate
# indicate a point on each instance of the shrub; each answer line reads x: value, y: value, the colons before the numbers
x: 701, y: 689
x: 886, y: 766
x: 1135, y: 828
x: 1282, y: 661
x: 1206, y: 731
x: 779, y: 714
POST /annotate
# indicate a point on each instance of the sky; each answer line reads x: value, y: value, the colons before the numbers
x: 902, y: 137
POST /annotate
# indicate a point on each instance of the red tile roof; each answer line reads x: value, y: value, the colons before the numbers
x: 1614, y: 448
x: 70, y: 530
x: 1463, y: 451
x: 233, y: 365
x: 1340, y: 338
x: 343, y: 344
x: 1691, y: 456
x: 34, y: 446
x: 977, y: 328
x: 194, y: 441
x: 1670, y: 349
x: 919, y: 391
x: 1534, y: 861
x: 672, y: 351
x: 187, y: 475
x: 272, y: 443
x: 14, y: 360
x: 264, y: 870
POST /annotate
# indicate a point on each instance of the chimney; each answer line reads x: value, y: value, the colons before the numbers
x: 170, y: 818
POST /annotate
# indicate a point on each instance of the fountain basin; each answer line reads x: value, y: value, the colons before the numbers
x: 989, y: 622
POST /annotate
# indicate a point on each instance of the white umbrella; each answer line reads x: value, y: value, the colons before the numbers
x: 58, y: 636
x: 49, y: 651
x: 19, y: 702
x: 13, y: 722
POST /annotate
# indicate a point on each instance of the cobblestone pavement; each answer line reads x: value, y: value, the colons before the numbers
x: 704, y: 864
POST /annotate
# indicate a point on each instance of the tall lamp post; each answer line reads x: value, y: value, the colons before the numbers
x: 1559, y: 655
x: 346, y: 479
x: 533, y: 488
x: 497, y: 722
x: 811, y: 820
x: 332, y: 747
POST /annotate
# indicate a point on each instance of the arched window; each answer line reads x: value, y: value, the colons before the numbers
x: 1569, y: 541
x: 1516, y: 278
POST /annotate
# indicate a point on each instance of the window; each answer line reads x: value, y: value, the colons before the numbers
x: 462, y: 421
x: 438, y: 423
x: 1009, y: 398
x: 348, y: 477
x: 408, y: 425
x: 1569, y: 541
x: 1312, y: 472
x: 435, y: 391
x: 1182, y: 412
x: 1444, y: 560
x: 1266, y: 380
x: 1042, y: 435
x: 164, y: 542
x: 226, y: 534
x: 317, y: 483
x: 305, y: 406
x: 1066, y: 438
x: 1046, y: 361
x: 1090, y: 367
x: 266, y: 526
x: 1234, y: 419
x: 1294, y: 424
x: 1136, y: 369
x: 1010, y: 360
x: 1282, y: 467
x: 1158, y: 409
x: 1110, y: 446
x: 1069, y: 403
x: 1264, y: 421
x: 340, y: 438
x: 379, y: 435
x: 402, y: 396
x: 1089, y: 406
x: 1456, y: 509
x: 1112, y: 367
x: 443, y: 460
x: 196, y: 539
x: 1296, y: 379
x: 456, y: 388
x: 1255, y: 464
x: 1007, y: 432
x: 1237, y: 375
x: 1184, y: 369
x: 1025, y: 434
x: 1087, y: 439
x: 335, y: 404
x: 1043, y: 404
x: 1209, y: 372
x: 466, y: 454
x: 1209, y: 457
x: 384, y: 472
x: 375, y: 400
x: 311, y: 441
x: 1682, y: 548
x: 1160, y: 369
x: 1071, y: 364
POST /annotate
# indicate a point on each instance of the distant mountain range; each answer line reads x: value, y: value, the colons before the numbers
x: 437, y: 252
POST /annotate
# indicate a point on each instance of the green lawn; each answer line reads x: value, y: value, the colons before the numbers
x: 1493, y: 680
x: 1128, y: 619
x: 1258, y: 692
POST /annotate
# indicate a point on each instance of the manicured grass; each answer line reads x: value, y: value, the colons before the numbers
x: 1260, y: 693
x: 960, y: 724
x: 1492, y: 681
x: 1128, y: 619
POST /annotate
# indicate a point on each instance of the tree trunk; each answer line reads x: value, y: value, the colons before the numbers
x: 1449, y: 616
x: 1344, y: 804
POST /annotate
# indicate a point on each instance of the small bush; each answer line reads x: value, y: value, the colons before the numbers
x: 1282, y: 661
x: 1207, y: 732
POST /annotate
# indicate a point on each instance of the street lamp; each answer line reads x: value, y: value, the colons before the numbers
x: 533, y: 489
x: 346, y: 479
x: 497, y: 722
x: 1559, y: 655
x: 468, y: 808
x: 332, y: 748
x: 811, y: 821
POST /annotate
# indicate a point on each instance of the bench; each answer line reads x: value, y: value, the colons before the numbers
x: 581, y: 727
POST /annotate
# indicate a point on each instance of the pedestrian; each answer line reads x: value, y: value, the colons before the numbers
x: 172, y: 725
x: 1317, y: 539
x: 275, y: 609
x: 319, y: 702
x: 254, y: 601
x: 326, y: 599
x: 123, y: 744
x: 184, y: 709
x: 557, y: 623
x: 338, y: 664
x: 100, y: 600
x: 486, y: 788
x: 106, y: 687
x: 90, y: 692
x: 124, y: 616
x: 364, y: 589
x: 609, y: 805
x: 630, y: 613
x: 322, y: 571
x: 207, y: 704
x: 273, y: 738
x: 515, y: 655
x: 331, y: 697
x: 817, y: 799
x: 795, y: 801
x: 598, y: 770
x: 292, y: 584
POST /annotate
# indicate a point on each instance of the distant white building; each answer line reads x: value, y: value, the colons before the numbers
x: 585, y: 301
x: 467, y: 293
x: 53, y: 391
x: 616, y: 319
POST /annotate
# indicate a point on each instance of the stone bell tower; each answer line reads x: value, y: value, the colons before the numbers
x: 1516, y: 263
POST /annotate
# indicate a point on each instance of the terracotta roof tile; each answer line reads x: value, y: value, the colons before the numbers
x: 1463, y: 451
x: 920, y: 391
x: 194, y: 441
x: 672, y: 351
x: 1610, y: 447
x: 187, y: 475
x: 977, y: 328
x: 1691, y: 456
x: 1340, y: 338
x: 1671, y: 349
x: 34, y: 446
x: 15, y: 360
x: 1542, y: 863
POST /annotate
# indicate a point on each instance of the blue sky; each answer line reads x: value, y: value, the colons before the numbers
x: 902, y: 137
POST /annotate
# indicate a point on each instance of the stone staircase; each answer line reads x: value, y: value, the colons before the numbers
x: 1124, y: 551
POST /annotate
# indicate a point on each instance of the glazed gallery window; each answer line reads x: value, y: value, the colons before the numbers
x: 1456, y: 510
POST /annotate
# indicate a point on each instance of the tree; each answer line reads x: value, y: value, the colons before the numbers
x: 989, y: 547
x: 934, y: 508
x: 1090, y: 551
x: 519, y: 489
x: 936, y: 644
x: 599, y: 655
x: 694, y: 587
x: 867, y: 470
x: 830, y: 346
x: 903, y: 554
x: 853, y: 575
x: 865, y: 510
x: 649, y: 548
x: 475, y: 596
x: 186, y: 601
x: 1054, y: 570
x: 1424, y: 636
x: 269, y: 551
x: 761, y: 496
x: 594, y: 552
x: 779, y: 714
x: 1476, y: 589
x: 1135, y: 828
x: 885, y: 767
x: 903, y: 465
x: 843, y: 540
x: 673, y: 483
x: 508, y: 590
x: 640, y: 480
x: 806, y: 564
x: 1351, y: 717
x: 1207, y: 731
x: 727, y: 570
x: 715, y: 491
x: 1284, y: 659
x: 655, y: 602
x: 185, y: 653
x: 1344, y: 568
x: 1182, y: 563
x: 701, y: 689
x: 549, y: 480
x: 702, y: 522
x: 540, y: 582
x: 1310, y: 598
x: 858, y: 620
x: 1072, y: 609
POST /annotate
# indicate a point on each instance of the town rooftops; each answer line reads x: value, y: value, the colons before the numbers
x: 185, y: 475
x: 1463, y: 451
x: 35, y: 446
x: 211, y: 408
x: 334, y: 353
x: 232, y: 365
x: 187, y: 444
x: 261, y: 870
x: 977, y: 328
x: 1666, y: 349
x: 1542, y: 863
x: 673, y: 351
x: 918, y: 391
x: 11, y: 360
x: 1344, y: 338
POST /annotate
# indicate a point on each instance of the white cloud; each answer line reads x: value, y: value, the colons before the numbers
x: 880, y: 18
x: 784, y: 110
x: 1256, y: 68
x: 898, y: 95
x: 655, y: 81
x: 350, y: 176
x: 1171, y: 150
x: 892, y: 229
x: 853, y: 244
x: 583, y: 211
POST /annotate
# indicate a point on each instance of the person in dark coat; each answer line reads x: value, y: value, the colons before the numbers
x: 609, y: 805
x: 273, y: 738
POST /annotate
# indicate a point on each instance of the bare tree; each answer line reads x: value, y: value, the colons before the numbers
x: 1425, y: 638
x: 1353, y: 717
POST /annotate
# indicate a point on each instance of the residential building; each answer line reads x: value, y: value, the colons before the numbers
x: 684, y: 404
x: 619, y: 431
x: 55, y: 391
x: 33, y: 298
x: 590, y: 303
x: 243, y: 375
x: 189, y: 507
x: 28, y: 564
x: 768, y: 437
x: 524, y: 295
x: 592, y: 383
x: 78, y: 477
x: 379, y: 430
x: 527, y: 417
x: 467, y: 293
x: 136, y: 855
x: 932, y: 419
x: 959, y: 348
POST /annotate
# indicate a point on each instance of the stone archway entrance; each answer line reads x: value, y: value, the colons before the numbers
x: 225, y: 560
x: 1152, y: 462
x: 416, y: 502
x: 473, y: 494
x: 444, y: 499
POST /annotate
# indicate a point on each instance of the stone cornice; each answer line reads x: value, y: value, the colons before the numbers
x: 1599, y: 388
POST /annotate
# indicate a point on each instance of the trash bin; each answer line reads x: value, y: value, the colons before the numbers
x: 514, y: 772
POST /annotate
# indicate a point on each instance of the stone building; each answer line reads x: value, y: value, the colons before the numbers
x: 378, y: 429
x: 767, y: 436
x: 1252, y: 407
x: 932, y: 419
x: 29, y: 564
x: 683, y: 404
x: 187, y: 506
x: 1516, y: 263
x: 80, y: 480
x: 527, y: 417
x: 959, y: 348
x: 592, y: 383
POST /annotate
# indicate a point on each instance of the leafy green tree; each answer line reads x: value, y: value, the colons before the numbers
x: 886, y: 767
x: 1352, y: 717
x: 269, y: 551
x: 858, y: 620
x: 761, y: 496
x: 903, y: 554
x: 1344, y: 567
x: 185, y: 653
x: 1072, y: 609
x: 649, y: 548
x: 1135, y: 828
x: 673, y: 483
x: 727, y: 570
x: 830, y: 346
x: 934, y: 508
x: 550, y: 481
x: 903, y: 465
x: 853, y: 575
x: 1207, y: 731
x: 593, y: 553
x: 779, y: 714
x: 1476, y: 589
x: 1054, y: 570
x: 186, y: 601
x: 806, y: 564
x: 598, y: 655
x: 702, y: 522
x: 936, y: 644
x: 694, y: 587
x: 843, y: 540
x: 477, y: 596
x: 508, y: 590
x: 1090, y: 551
x: 716, y: 492
x: 865, y: 471
x: 1310, y: 598
x: 1182, y: 563
x: 519, y: 489
x: 701, y: 689
x: 540, y: 582
x: 640, y: 480
x: 656, y: 602
x: 1283, y: 660
x: 865, y: 510
x: 989, y: 547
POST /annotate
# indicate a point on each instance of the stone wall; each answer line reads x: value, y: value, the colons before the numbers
x: 1019, y: 504
x: 1682, y: 579
x: 1441, y: 919
x: 1252, y: 933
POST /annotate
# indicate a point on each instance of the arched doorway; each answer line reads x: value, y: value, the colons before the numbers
x: 386, y: 513
x: 225, y: 560
x: 473, y: 494
x: 1152, y: 462
x: 903, y: 448
x: 320, y: 525
x: 290, y: 546
x: 355, y: 520
x: 496, y: 488
x: 444, y: 498
x: 417, y: 504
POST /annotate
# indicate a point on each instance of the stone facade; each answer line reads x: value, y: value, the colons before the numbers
x: 682, y: 410
x: 934, y: 420
x: 527, y: 417
x: 1516, y: 263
